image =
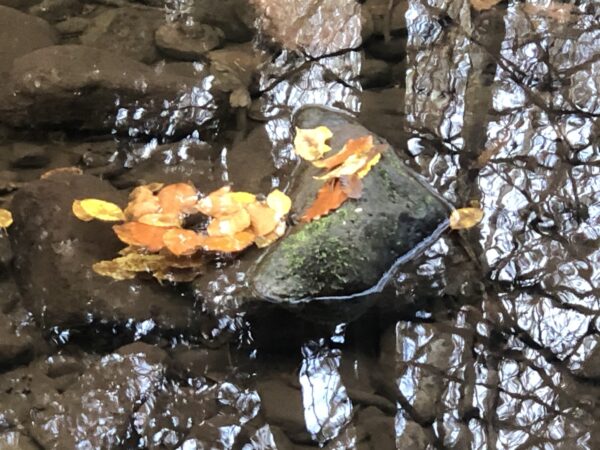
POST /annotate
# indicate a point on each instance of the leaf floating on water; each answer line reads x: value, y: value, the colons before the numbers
x: 243, y: 198
x: 464, y: 218
x: 219, y: 203
x: 99, y: 209
x: 330, y: 197
x: 112, y: 269
x: 268, y: 239
x: 357, y: 146
x: 263, y: 219
x: 161, y: 220
x: 141, y: 235
x: 142, y: 201
x: 279, y: 202
x: 482, y: 5
x: 6, y: 218
x: 309, y: 144
x: 228, y: 225
x: 227, y: 244
x: 178, y: 198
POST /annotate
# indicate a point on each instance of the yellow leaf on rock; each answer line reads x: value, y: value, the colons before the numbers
x: 279, y: 202
x: 353, y: 164
x: 243, y: 198
x: 309, y: 144
x: 357, y: 146
x: 268, y: 239
x: 482, y: 5
x: 100, y: 209
x: 6, y: 218
x: 79, y: 212
x: 228, y: 225
x: 218, y: 203
x: 369, y: 165
x: 464, y: 218
x: 61, y: 170
x: 263, y: 219
x: 178, y: 198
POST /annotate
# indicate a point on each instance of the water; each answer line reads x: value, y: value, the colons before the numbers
x: 488, y: 339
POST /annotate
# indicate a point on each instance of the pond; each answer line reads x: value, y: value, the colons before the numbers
x: 479, y: 338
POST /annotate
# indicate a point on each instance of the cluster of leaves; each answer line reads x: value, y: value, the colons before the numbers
x: 344, y: 170
x: 153, y: 227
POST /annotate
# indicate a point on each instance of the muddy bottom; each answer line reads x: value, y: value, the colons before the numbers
x: 485, y: 338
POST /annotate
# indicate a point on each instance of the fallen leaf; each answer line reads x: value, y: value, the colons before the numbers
x: 369, y: 165
x: 161, y: 220
x: 309, y: 144
x: 357, y: 146
x: 60, y: 170
x: 464, y: 218
x: 6, y: 218
x: 127, y: 266
x: 142, y: 201
x: 154, y: 187
x: 352, y: 165
x: 112, y: 269
x: 141, y: 235
x: 329, y: 197
x: 219, y: 203
x: 482, y: 5
x: 263, y: 219
x: 228, y: 225
x: 178, y: 198
x: 268, y: 239
x: 243, y: 198
x: 279, y: 202
x: 79, y: 212
x: 99, y: 209
x: 182, y: 242
x: 352, y: 185
x: 227, y: 244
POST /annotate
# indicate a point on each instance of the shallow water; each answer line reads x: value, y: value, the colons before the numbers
x: 487, y: 339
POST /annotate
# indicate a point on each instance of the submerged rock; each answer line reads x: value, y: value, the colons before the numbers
x: 84, y: 88
x: 54, y: 257
x: 349, y: 251
x: 187, y: 43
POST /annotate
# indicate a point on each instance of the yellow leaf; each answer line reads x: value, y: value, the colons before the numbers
x: 178, y: 198
x: 218, y: 203
x: 61, y: 170
x: 228, y: 225
x: 6, y: 218
x: 279, y: 202
x: 369, y: 165
x: 268, y: 239
x: 243, y: 198
x: 101, y: 210
x: 79, y: 212
x: 353, y: 164
x: 358, y: 146
x: 141, y: 235
x: 463, y: 218
x: 263, y: 218
x: 112, y: 269
x: 482, y: 5
x: 309, y: 144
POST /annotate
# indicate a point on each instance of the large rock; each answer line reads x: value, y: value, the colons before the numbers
x: 189, y: 43
x: 54, y: 257
x: 20, y: 34
x: 349, y: 251
x: 84, y: 88
x: 125, y: 31
x: 234, y: 17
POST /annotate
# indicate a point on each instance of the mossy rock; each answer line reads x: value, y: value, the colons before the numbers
x: 352, y: 251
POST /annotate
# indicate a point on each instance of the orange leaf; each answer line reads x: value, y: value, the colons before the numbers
x: 228, y: 225
x: 178, y: 198
x: 141, y: 235
x: 219, y: 203
x: 352, y: 147
x: 141, y: 202
x: 182, y: 242
x: 228, y: 244
x: 161, y: 220
x: 263, y: 219
x: 351, y: 185
x: 330, y: 197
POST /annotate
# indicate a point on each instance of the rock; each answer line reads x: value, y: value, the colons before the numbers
x: 82, y: 88
x: 20, y: 34
x: 13, y: 440
x: 125, y: 31
x: 96, y: 411
x: 377, y: 10
x: 29, y: 156
x: 393, y: 51
x: 195, y: 69
x: 234, y: 17
x: 56, y: 10
x: 18, y: 4
x: 350, y: 250
x: 235, y: 66
x: 200, y: 362
x: 73, y: 26
x: 187, y: 43
x: 54, y: 257
x: 16, y: 347
x: 379, y: 428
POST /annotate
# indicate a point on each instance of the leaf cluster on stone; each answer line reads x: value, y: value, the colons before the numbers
x: 345, y: 169
x: 152, y: 225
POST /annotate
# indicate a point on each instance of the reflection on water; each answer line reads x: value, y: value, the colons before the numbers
x: 489, y: 339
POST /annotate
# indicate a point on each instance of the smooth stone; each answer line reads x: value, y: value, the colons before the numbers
x: 125, y: 31
x: 29, y: 156
x: 188, y: 44
x: 87, y: 89
x: 349, y: 251
x: 56, y: 10
x: 54, y: 254
x: 20, y: 34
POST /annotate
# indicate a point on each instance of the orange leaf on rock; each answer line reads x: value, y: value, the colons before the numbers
x: 161, y: 220
x: 357, y: 146
x: 330, y: 197
x: 182, y: 242
x: 228, y: 225
x: 263, y: 219
x: 141, y: 235
x: 178, y: 198
x: 219, y: 203
x: 227, y: 244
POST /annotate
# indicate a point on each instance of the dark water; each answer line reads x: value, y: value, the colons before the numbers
x: 489, y: 339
